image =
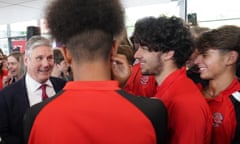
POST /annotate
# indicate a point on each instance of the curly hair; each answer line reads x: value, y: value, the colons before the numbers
x: 165, y: 34
x: 67, y: 18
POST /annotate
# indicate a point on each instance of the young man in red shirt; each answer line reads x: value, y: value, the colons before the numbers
x: 217, y: 61
x: 92, y: 109
x: 165, y: 44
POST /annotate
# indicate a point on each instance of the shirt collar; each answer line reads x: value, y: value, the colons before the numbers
x: 34, y: 85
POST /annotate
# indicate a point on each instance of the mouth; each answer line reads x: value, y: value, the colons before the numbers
x: 201, y: 69
x: 44, y: 71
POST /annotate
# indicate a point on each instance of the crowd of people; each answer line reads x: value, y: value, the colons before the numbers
x: 169, y: 83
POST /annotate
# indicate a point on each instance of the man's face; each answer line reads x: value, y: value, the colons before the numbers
x: 63, y: 66
x: 13, y: 66
x: 40, y: 63
x: 150, y: 62
x: 211, y: 64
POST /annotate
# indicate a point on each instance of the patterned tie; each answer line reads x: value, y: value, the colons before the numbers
x: 44, y: 94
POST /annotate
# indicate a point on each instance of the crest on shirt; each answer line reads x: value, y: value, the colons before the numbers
x: 217, y: 119
x: 144, y: 80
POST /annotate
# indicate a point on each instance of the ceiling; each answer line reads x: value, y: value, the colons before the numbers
x: 12, y: 11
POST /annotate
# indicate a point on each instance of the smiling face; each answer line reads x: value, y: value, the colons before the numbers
x: 212, y: 63
x: 150, y: 61
x: 40, y: 63
x: 13, y: 66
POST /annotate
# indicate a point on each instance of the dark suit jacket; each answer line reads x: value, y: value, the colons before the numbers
x: 13, y: 105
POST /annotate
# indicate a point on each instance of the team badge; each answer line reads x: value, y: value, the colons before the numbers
x: 144, y: 80
x: 217, y: 119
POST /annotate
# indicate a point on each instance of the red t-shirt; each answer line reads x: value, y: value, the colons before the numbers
x: 223, y: 115
x: 139, y: 84
x: 94, y: 113
x: 189, y: 116
x: 5, y: 73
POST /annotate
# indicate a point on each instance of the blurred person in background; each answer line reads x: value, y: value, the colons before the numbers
x: 16, y: 68
x: 192, y: 69
x: 61, y: 67
x: 3, y: 70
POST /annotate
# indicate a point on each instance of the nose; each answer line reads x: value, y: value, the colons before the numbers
x: 138, y: 53
x: 46, y: 62
x: 197, y: 60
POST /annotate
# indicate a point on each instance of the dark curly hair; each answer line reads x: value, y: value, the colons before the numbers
x: 86, y: 27
x: 67, y: 18
x: 165, y: 34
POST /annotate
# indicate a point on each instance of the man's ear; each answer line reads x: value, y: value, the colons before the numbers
x: 25, y: 60
x: 168, y: 55
x: 67, y: 55
x: 114, y: 47
x: 232, y: 57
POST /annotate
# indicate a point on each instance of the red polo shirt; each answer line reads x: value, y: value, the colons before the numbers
x: 189, y: 116
x: 223, y: 115
x: 139, y: 84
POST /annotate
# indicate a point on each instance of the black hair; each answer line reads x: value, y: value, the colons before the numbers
x: 165, y: 34
x: 58, y: 56
x: 67, y: 18
x: 86, y: 27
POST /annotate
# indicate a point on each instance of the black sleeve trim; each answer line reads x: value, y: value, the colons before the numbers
x: 154, y: 110
x: 32, y: 113
x: 235, y: 98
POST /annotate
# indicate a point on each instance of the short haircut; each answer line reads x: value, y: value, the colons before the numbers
x: 57, y: 56
x: 36, y: 41
x: 86, y: 27
x: 225, y: 38
x: 165, y: 34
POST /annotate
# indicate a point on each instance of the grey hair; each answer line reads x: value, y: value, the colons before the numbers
x: 36, y: 41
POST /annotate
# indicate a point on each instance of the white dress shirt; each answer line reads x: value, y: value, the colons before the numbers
x: 34, y: 90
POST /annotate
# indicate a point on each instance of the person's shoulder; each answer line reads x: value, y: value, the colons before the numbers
x: 144, y: 103
x: 58, y: 81
x: 14, y: 87
x: 31, y: 114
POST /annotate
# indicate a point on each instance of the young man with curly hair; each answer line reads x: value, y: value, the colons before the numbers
x: 92, y: 109
x: 164, y: 46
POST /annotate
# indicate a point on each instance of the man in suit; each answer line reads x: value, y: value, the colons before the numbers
x: 18, y: 97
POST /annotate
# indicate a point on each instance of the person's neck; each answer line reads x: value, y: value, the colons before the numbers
x: 217, y: 85
x: 166, y: 71
x: 92, y: 71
